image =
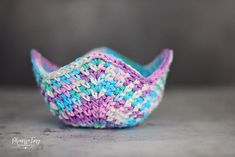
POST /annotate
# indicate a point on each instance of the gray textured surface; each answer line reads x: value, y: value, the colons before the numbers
x: 189, y: 122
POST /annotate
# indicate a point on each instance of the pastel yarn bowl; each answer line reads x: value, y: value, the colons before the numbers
x: 102, y: 89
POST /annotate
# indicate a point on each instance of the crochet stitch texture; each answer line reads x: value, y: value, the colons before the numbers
x: 102, y: 89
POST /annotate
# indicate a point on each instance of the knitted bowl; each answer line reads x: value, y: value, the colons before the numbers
x: 102, y: 89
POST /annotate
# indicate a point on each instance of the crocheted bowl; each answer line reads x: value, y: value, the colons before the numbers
x: 102, y: 89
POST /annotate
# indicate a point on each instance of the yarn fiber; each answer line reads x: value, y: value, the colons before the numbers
x: 102, y: 89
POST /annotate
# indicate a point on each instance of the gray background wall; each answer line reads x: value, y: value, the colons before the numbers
x: 202, y: 33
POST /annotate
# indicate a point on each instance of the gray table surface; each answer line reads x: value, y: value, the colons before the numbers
x: 189, y: 122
